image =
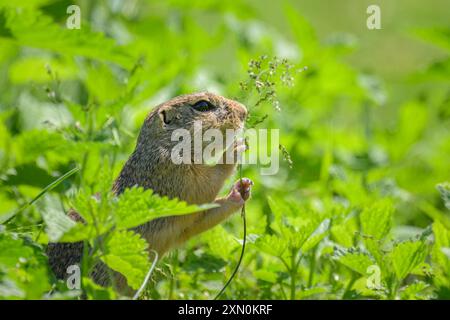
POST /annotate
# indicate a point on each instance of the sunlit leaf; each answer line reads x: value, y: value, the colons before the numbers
x: 126, y: 252
x: 406, y: 256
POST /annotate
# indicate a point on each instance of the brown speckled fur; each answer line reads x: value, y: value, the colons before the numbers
x: 150, y: 166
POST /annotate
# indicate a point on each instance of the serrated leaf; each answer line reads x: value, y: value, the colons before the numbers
x: 96, y: 292
x: 376, y: 220
x: 82, y: 232
x: 344, y: 233
x: 441, y: 241
x: 137, y: 206
x: 356, y: 260
x: 34, y: 29
x: 57, y: 222
x: 266, y: 275
x: 406, y: 256
x: 272, y: 244
x: 23, y: 270
x: 414, y: 290
x: 11, y: 250
x: 126, y: 252
x: 444, y: 189
x: 219, y: 241
x: 316, y: 236
x: 296, y: 237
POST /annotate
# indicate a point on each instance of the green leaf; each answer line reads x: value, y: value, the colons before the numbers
x: 220, y: 242
x: 355, y: 259
x: 344, y: 233
x: 272, y: 244
x: 58, y: 223
x: 376, y: 220
x: 126, y: 252
x: 316, y: 236
x: 23, y: 269
x: 406, y: 256
x: 96, y: 292
x: 444, y: 189
x: 376, y: 223
x: 415, y: 291
x: 30, y: 27
x: 441, y: 241
x: 266, y: 275
x: 436, y: 36
x: 304, y: 33
x: 137, y: 206
x: 82, y: 232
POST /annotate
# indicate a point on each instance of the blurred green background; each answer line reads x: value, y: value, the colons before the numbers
x: 369, y: 119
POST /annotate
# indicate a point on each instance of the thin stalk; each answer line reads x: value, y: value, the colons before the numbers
x: 243, y: 244
x: 293, y: 273
x: 51, y: 186
x: 172, y: 279
x: 312, y: 266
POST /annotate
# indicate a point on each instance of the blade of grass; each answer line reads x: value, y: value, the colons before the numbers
x: 44, y: 191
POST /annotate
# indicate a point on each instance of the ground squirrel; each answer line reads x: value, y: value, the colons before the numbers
x: 151, y: 166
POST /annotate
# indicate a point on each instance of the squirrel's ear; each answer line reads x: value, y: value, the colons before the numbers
x: 166, y: 116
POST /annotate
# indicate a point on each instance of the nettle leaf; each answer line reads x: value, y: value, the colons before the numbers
x: 266, y: 275
x: 137, y: 206
x: 102, y: 212
x: 376, y: 220
x: 415, y: 291
x: 281, y: 211
x: 34, y: 29
x: 126, y: 252
x: 406, y: 256
x: 296, y: 237
x: 444, y: 189
x: 58, y: 223
x: 344, y: 233
x: 12, y: 249
x: 354, y: 259
x: 272, y: 244
x: 204, y: 261
x: 94, y: 209
x: 220, y: 242
x: 23, y: 269
x: 440, y: 246
x: 95, y: 292
x: 82, y: 232
x: 317, y: 235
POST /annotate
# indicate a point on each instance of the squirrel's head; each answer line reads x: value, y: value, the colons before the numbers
x: 211, y: 110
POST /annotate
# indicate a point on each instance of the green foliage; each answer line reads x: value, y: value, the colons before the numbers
x: 126, y: 252
x: 359, y: 209
x: 355, y: 260
x: 136, y: 206
x: 444, y: 189
x: 406, y: 256
x: 23, y: 269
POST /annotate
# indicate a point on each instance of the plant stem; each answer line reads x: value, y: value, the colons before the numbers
x: 312, y: 266
x: 172, y: 278
x: 293, y: 272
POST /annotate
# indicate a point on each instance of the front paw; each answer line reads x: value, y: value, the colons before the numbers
x: 241, y: 191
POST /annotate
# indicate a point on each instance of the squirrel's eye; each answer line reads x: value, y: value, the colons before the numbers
x: 203, y: 106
